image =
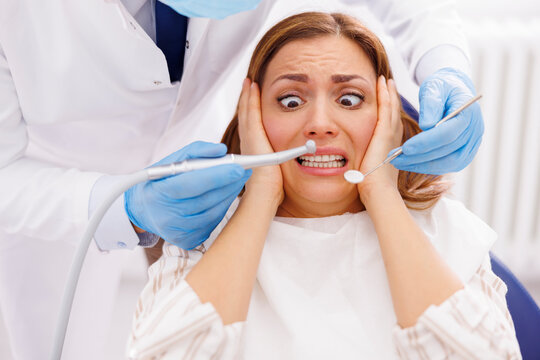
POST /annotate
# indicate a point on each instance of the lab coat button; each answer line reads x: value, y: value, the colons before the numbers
x: 157, y: 82
x: 121, y: 244
x: 187, y: 44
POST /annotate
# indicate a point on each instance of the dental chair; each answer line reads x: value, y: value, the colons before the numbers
x: 522, y: 307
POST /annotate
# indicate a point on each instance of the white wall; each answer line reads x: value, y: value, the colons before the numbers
x: 503, y: 14
x: 499, y: 9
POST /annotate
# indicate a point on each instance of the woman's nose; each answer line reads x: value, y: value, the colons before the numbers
x: 320, y: 123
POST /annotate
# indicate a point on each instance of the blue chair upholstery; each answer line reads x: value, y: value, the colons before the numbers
x: 409, y: 109
x: 522, y: 307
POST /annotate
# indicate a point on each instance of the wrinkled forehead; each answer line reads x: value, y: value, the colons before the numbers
x: 322, y: 57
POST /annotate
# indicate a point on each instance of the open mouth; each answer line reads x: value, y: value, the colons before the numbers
x: 322, y: 161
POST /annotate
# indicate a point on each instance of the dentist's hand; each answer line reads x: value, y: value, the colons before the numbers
x: 184, y: 209
x: 451, y: 146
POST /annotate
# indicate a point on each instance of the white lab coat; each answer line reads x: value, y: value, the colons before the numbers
x: 84, y: 92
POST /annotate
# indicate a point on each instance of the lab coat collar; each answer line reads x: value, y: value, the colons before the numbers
x: 133, y: 6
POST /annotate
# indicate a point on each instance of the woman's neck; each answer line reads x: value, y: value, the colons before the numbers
x: 309, y: 209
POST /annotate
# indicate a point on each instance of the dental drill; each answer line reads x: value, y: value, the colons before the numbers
x: 152, y: 173
x: 246, y: 161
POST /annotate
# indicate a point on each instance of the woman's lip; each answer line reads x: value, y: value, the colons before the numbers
x: 323, y: 171
x: 326, y: 150
x: 329, y: 151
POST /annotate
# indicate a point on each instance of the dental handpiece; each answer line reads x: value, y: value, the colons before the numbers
x: 246, y: 161
x: 127, y: 181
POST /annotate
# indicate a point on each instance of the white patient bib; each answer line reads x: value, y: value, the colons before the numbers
x: 322, y: 291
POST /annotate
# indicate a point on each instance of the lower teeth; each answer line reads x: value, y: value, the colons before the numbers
x: 338, y: 164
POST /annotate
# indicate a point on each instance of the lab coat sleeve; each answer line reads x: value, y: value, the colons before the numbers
x: 170, y: 322
x: 442, y: 56
x: 421, y: 26
x: 115, y: 230
x: 38, y: 199
x: 474, y: 323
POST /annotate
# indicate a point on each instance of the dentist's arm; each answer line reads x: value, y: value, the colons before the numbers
x: 38, y: 199
x: 431, y: 40
x: 45, y: 201
x: 184, y: 209
x: 428, y: 34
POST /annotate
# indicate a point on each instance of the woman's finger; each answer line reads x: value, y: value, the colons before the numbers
x: 383, y: 101
x: 396, y: 123
x: 242, y: 111
x: 254, y: 108
x: 256, y: 127
x: 394, y: 99
x: 242, y: 103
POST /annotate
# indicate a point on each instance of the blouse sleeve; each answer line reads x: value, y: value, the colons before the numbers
x: 170, y: 322
x: 474, y: 323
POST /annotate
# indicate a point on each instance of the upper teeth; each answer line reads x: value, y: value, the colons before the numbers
x: 320, y: 158
x: 325, y: 161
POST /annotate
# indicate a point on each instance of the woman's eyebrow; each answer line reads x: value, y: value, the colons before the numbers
x: 337, y: 78
x: 341, y: 78
x: 294, y: 77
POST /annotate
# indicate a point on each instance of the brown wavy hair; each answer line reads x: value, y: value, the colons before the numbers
x: 419, y: 191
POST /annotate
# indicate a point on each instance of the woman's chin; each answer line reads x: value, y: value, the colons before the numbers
x: 322, y: 201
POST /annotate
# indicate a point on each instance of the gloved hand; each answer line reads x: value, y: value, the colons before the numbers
x: 184, y: 209
x: 452, y: 145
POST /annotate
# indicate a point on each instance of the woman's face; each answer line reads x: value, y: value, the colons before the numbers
x: 323, y: 89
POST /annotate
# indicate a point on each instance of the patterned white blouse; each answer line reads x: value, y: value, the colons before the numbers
x: 321, y: 292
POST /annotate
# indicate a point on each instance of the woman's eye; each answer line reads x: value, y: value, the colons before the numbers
x: 291, y: 101
x: 350, y: 100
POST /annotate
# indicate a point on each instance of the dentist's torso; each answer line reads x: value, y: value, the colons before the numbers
x: 94, y: 94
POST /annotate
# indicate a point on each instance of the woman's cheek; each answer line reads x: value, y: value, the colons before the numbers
x: 362, y: 139
x: 275, y: 131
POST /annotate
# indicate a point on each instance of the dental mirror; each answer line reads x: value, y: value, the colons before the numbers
x: 356, y: 177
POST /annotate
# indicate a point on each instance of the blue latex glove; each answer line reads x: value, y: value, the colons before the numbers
x: 214, y: 9
x: 184, y: 209
x: 452, y: 145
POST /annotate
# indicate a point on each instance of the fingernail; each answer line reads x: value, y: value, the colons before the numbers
x: 246, y: 81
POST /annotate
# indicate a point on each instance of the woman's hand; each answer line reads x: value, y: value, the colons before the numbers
x: 266, y: 180
x: 418, y: 277
x: 387, y: 136
x: 226, y: 274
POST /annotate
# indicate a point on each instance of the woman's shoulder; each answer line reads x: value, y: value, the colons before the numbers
x: 452, y: 214
x: 460, y: 236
